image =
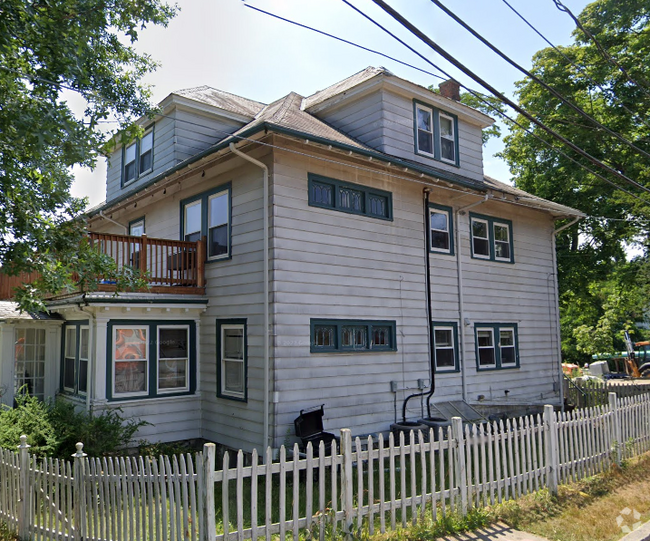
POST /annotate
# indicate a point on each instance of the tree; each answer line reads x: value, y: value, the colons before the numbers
x: 590, y: 253
x: 49, y: 48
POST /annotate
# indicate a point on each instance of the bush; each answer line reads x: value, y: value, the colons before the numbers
x: 54, y: 428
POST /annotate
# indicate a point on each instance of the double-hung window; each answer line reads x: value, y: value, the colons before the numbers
x: 491, y: 238
x: 441, y: 233
x: 76, y: 355
x: 352, y: 335
x: 436, y: 133
x: 496, y: 346
x: 445, y: 346
x: 232, y: 359
x: 208, y: 214
x: 151, y: 359
x: 351, y: 198
x: 138, y: 158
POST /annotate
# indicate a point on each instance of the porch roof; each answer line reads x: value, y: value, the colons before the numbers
x: 9, y: 311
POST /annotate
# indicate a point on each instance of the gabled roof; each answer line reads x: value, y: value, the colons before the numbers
x: 222, y: 100
x: 343, y: 86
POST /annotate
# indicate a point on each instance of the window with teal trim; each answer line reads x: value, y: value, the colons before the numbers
x: 232, y: 360
x: 349, y: 335
x: 445, y: 346
x: 435, y: 133
x: 351, y: 198
x: 441, y: 232
x: 496, y: 346
x: 491, y: 238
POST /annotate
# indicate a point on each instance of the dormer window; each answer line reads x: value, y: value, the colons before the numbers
x: 138, y: 158
x: 436, y: 134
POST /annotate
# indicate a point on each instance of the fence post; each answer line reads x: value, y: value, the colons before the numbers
x: 24, y: 492
x: 616, y: 427
x: 347, y: 479
x: 552, y: 462
x: 209, y: 525
x: 78, y: 498
x: 461, y: 468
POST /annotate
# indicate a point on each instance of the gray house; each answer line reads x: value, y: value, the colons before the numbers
x: 342, y: 249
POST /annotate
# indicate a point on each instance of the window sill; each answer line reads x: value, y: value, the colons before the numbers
x: 496, y: 368
x: 351, y: 351
x: 158, y: 398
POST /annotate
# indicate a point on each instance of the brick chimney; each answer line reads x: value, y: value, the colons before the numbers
x: 450, y: 89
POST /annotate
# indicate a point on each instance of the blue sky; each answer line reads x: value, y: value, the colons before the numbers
x: 223, y: 44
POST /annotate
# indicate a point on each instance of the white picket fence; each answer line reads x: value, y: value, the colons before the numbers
x: 374, y: 483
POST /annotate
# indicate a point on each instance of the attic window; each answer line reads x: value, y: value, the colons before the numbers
x: 138, y: 158
x: 436, y: 133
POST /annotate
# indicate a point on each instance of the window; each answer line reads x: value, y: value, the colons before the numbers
x: 441, y: 236
x: 232, y: 359
x: 491, y: 238
x: 344, y: 335
x: 76, y: 355
x: 445, y: 346
x: 496, y: 346
x: 208, y: 214
x: 136, y: 229
x: 29, y: 362
x: 138, y: 158
x: 436, y: 133
x: 351, y: 198
x: 151, y: 359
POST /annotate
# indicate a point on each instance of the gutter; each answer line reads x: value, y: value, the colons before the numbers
x: 556, y: 293
x: 101, y: 214
x: 265, y: 172
x: 461, y: 298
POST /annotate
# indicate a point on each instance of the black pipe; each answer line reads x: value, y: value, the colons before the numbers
x: 427, y: 243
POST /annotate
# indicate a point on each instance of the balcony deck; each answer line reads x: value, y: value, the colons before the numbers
x: 168, y: 266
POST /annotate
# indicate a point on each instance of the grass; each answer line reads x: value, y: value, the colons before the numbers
x: 6, y: 534
x: 586, y: 510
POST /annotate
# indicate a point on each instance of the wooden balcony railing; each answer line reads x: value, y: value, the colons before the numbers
x: 169, y: 266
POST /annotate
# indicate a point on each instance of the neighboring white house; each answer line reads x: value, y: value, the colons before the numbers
x: 371, y: 190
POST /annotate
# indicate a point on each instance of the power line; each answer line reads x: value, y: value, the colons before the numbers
x: 581, y: 69
x: 559, y: 5
x: 424, y: 38
x: 539, y: 81
x: 480, y: 98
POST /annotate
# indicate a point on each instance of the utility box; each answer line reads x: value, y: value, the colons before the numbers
x: 599, y: 368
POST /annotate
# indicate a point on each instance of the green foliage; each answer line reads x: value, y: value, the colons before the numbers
x: 429, y: 529
x: 53, y: 429
x: 590, y: 254
x: 48, y: 48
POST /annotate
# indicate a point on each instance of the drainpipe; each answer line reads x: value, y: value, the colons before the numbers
x: 461, y: 299
x: 126, y: 229
x: 265, y: 171
x: 556, y: 294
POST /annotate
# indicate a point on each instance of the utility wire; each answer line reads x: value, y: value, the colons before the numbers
x: 483, y: 100
x: 581, y: 69
x: 559, y: 5
x: 428, y: 41
x: 539, y: 81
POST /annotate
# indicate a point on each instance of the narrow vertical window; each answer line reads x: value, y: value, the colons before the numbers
x: 424, y: 123
x: 486, y: 353
x: 136, y: 229
x: 480, y: 238
x: 84, y: 351
x: 192, y: 221
x: 232, y: 357
x: 218, y: 219
x: 131, y: 360
x: 507, y: 346
x: 444, y: 341
x: 173, y: 359
x: 29, y: 362
x: 501, y: 242
x: 447, y: 138
x: 146, y: 153
x: 441, y: 230
x: 130, y: 164
x: 69, y: 359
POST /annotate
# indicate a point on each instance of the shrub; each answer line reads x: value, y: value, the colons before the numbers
x: 30, y: 417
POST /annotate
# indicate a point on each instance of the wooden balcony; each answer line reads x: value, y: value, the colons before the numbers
x: 169, y: 266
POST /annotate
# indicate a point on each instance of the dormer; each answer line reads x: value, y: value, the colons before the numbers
x: 190, y: 121
x: 405, y: 120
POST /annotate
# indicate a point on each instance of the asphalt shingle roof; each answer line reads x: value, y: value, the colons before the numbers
x: 9, y: 311
x: 222, y: 100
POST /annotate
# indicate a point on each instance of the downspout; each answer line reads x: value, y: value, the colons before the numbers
x: 126, y: 229
x: 427, y: 266
x: 265, y: 171
x: 461, y: 297
x: 558, y: 333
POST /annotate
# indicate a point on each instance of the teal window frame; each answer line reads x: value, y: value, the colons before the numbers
x: 491, y: 221
x: 78, y: 326
x: 139, y: 172
x: 440, y: 209
x: 340, y: 324
x: 221, y: 393
x: 338, y: 186
x: 496, y: 329
x: 204, y: 199
x: 443, y: 325
x: 435, y: 113
x: 152, y: 358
